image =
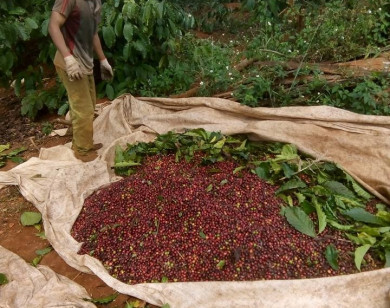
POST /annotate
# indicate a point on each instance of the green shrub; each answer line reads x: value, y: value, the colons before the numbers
x: 52, y: 99
x: 23, y: 31
x: 141, y: 37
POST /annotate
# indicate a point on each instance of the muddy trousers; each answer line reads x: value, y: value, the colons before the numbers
x: 82, y: 101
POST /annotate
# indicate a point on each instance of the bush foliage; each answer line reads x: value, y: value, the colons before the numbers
x: 154, y: 48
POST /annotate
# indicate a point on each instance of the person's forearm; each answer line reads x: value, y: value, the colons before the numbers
x: 97, y: 47
x: 56, y: 35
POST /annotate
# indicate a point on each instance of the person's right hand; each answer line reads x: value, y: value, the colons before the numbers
x: 73, y: 68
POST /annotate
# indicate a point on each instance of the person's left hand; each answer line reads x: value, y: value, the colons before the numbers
x: 106, y: 70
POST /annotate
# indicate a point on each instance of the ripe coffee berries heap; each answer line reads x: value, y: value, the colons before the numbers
x: 186, y: 222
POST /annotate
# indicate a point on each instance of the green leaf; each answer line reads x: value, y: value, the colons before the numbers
x: 362, y: 239
x: 16, y: 151
x: 340, y: 226
x: 17, y: 11
x: 36, y: 260
x: 359, y: 255
x: 160, y: 9
x: 339, y: 189
x: 125, y: 164
x: 381, y: 207
x: 166, y: 306
x: 238, y: 169
x: 343, y: 202
x: 360, y: 191
x: 300, y: 220
x: 202, y: 235
x: 30, y: 23
x: 63, y: 109
x: 292, y: 184
x: 209, y: 188
x: 289, y: 152
x: 242, y: 147
x: 263, y: 171
x: 319, y: 190
x: 301, y: 197
x: 384, y: 215
x: 321, y: 216
x: 17, y: 160
x: 126, y: 51
x: 4, y: 147
x: 109, y: 36
x: 103, y: 300
x: 164, y: 279
x: 45, y: 251
x: 119, y: 26
x: 221, y: 264
x: 30, y: 218
x: 119, y: 155
x: 17, y: 86
x: 387, y: 256
x: 307, y: 207
x: 45, y: 27
x: 22, y: 31
x: 6, y: 61
x: 128, y: 32
x: 110, y: 92
x: 140, y: 46
x: 287, y: 170
x: 331, y: 255
x: 129, y: 305
x: 41, y: 235
x: 223, y: 182
x: 3, y: 279
x: 362, y: 215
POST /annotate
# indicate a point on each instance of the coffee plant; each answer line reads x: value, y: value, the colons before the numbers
x: 142, y: 36
x: 23, y: 31
x: 25, y: 49
x: 367, y: 95
x: 209, y: 16
x: 154, y: 53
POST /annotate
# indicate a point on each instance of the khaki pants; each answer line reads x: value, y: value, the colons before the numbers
x: 82, y: 101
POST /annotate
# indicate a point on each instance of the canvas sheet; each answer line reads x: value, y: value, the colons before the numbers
x: 57, y: 184
x: 37, y: 286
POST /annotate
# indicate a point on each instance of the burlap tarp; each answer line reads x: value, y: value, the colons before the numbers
x: 37, y: 287
x: 57, y: 184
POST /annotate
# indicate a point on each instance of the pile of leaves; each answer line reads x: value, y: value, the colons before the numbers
x: 12, y: 155
x: 204, y: 206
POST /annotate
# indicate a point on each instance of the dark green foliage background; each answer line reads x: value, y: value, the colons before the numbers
x: 154, y: 50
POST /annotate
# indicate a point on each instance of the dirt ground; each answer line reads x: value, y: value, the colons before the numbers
x: 19, y: 132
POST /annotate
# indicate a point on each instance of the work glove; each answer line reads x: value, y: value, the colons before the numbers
x: 106, y: 70
x: 73, y: 68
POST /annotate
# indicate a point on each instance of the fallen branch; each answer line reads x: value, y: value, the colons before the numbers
x: 189, y: 93
x: 33, y: 143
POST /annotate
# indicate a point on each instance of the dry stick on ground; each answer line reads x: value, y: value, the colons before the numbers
x: 191, y: 92
x: 33, y: 143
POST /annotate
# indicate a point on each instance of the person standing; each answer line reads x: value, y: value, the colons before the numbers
x: 73, y: 28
